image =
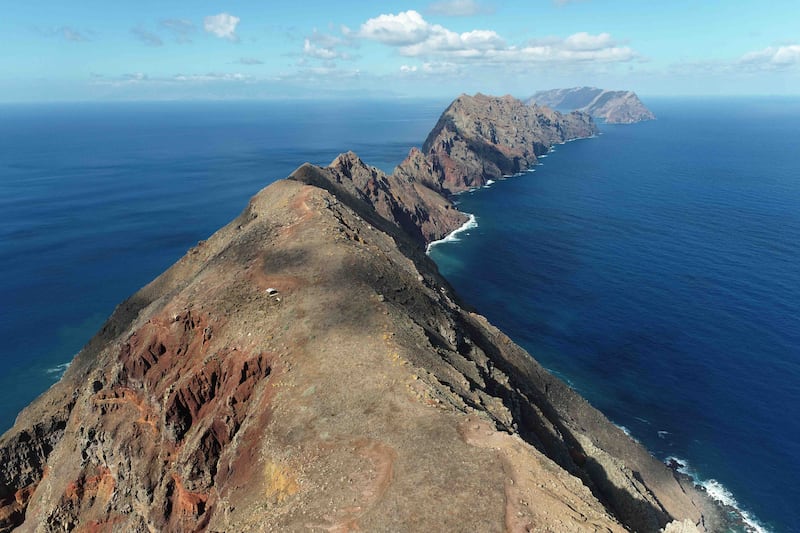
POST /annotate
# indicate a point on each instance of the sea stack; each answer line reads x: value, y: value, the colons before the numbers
x: 306, y: 368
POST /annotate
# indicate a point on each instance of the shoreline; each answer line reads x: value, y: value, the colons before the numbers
x: 332, y: 340
x: 471, y: 223
x: 717, y: 492
x: 713, y: 488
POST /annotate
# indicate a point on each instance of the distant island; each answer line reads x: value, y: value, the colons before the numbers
x: 614, y: 107
x: 307, y: 368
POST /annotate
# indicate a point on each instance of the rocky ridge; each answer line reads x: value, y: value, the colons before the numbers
x: 481, y: 137
x: 614, y: 107
x: 307, y: 369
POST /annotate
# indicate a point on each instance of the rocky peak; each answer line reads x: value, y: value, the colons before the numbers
x: 397, y: 198
x: 614, y: 107
x: 481, y: 137
x: 307, y: 368
x: 347, y: 161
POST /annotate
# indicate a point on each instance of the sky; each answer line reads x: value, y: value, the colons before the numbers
x: 55, y: 50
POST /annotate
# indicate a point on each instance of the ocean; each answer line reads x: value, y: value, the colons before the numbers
x: 654, y: 267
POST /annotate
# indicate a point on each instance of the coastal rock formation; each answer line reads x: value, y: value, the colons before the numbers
x: 419, y: 211
x: 307, y: 369
x: 480, y: 138
x: 614, y: 107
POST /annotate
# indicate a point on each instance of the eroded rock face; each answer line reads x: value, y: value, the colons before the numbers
x: 480, y: 137
x: 307, y: 368
x: 614, y: 107
x: 422, y: 214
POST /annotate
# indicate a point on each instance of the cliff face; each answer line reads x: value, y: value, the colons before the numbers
x: 420, y: 212
x: 614, y: 107
x: 306, y: 368
x: 480, y: 137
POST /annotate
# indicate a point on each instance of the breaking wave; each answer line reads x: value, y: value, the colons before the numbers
x: 718, y: 492
x: 471, y: 223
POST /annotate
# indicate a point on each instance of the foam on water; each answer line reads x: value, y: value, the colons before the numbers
x: 718, y: 492
x: 58, y: 369
x: 670, y: 273
x: 471, y: 223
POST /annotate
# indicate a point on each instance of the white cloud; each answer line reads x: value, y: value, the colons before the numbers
x: 587, y: 42
x: 329, y: 75
x: 327, y: 47
x: 443, y: 41
x: 318, y: 52
x: 71, y: 34
x: 459, y: 8
x: 441, y: 68
x: 324, y: 39
x: 135, y: 78
x: 562, y: 52
x: 403, y: 29
x: 433, y: 69
x: 142, y: 79
x: 773, y: 57
x: 249, y: 61
x: 413, y: 36
x: 416, y: 37
x: 222, y: 25
x: 234, y: 76
x: 147, y: 37
x: 180, y: 28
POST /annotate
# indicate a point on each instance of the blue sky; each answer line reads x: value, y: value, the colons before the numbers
x: 197, y: 49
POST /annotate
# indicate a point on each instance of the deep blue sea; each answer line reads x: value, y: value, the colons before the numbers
x: 656, y: 267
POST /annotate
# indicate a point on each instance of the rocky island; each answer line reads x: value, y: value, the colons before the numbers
x: 307, y: 368
x: 614, y: 107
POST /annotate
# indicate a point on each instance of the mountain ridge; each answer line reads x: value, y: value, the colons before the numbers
x: 307, y: 367
x: 614, y: 107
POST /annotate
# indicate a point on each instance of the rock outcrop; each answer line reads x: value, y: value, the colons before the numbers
x: 481, y: 137
x: 307, y: 369
x: 420, y: 212
x: 614, y: 107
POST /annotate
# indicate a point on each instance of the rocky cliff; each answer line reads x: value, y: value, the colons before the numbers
x: 614, y: 107
x: 307, y: 369
x: 481, y: 137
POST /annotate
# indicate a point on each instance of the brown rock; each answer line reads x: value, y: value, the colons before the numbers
x: 480, y: 137
x: 359, y: 395
x: 422, y: 214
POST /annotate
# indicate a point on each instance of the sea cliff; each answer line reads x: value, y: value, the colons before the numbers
x: 613, y: 107
x: 307, y: 368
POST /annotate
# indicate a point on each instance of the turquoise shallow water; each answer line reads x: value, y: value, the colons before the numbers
x: 653, y: 267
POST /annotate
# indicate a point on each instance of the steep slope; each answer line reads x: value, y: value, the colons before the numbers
x: 614, y: 107
x: 307, y: 368
x: 419, y: 211
x: 481, y: 137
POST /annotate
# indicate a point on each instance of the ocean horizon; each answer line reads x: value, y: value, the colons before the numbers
x: 653, y: 268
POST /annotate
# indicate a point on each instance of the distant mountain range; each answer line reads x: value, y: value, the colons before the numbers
x: 614, y: 107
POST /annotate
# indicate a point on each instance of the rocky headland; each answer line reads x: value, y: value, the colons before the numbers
x: 306, y: 368
x: 480, y: 137
x: 613, y: 107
